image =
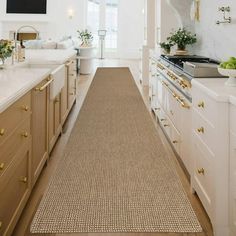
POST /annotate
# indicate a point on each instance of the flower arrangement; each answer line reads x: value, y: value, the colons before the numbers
x: 166, y: 46
x: 6, y: 49
x: 182, y: 37
x: 86, y: 37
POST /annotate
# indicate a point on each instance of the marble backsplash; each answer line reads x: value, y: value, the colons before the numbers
x: 215, y: 41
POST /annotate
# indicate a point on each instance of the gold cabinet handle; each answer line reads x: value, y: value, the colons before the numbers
x: 24, y: 180
x: 183, y: 104
x: 160, y: 66
x: 2, y: 166
x: 0, y: 224
x: 166, y: 125
x: 40, y: 89
x: 2, y: 132
x: 175, y: 142
x: 25, y: 108
x: 201, y: 171
x: 25, y: 135
x: 57, y: 100
x: 69, y: 63
x: 178, y: 99
x: 201, y: 104
x: 201, y: 130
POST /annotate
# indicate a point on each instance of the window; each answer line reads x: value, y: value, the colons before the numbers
x: 93, y: 19
x: 103, y: 15
x: 111, y: 23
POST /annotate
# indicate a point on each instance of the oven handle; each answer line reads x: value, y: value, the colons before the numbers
x: 178, y: 99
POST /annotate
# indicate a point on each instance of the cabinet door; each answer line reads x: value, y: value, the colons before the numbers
x: 15, y: 186
x: 64, y: 102
x: 233, y: 183
x: 40, y: 105
x: 71, y: 83
x: 54, y: 121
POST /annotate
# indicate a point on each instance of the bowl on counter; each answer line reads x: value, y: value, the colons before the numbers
x: 231, y: 73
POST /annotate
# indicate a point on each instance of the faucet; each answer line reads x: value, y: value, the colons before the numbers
x: 15, y: 38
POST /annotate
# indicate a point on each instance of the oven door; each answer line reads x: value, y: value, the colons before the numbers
x: 175, y: 119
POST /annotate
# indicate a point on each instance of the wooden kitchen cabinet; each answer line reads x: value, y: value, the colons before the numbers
x: 55, y: 126
x: 71, y: 75
x: 15, y: 162
x: 64, y: 101
x: 40, y: 115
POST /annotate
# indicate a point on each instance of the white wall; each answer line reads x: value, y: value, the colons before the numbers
x: 216, y: 41
x: 53, y: 25
x: 130, y: 28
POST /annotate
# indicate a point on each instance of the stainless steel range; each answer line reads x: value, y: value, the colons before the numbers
x: 180, y: 70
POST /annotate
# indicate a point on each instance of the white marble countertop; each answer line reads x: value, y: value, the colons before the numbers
x: 49, y: 56
x: 15, y: 82
x: 216, y: 89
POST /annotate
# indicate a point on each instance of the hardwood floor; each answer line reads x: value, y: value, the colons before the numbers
x: 22, y: 228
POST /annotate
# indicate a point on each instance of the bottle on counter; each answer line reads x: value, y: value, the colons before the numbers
x: 21, y: 52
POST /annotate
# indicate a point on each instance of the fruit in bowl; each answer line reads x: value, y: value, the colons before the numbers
x: 228, y: 68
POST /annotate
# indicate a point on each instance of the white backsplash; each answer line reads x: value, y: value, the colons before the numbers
x: 216, y: 41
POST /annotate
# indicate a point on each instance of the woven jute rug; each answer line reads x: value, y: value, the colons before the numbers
x: 115, y: 175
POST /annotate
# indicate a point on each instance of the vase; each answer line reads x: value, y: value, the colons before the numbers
x: 181, y: 51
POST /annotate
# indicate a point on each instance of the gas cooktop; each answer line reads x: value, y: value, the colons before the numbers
x: 178, y: 61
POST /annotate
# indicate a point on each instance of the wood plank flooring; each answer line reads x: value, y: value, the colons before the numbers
x: 22, y: 228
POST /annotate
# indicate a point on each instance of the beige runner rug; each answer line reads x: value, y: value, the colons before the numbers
x: 115, y: 175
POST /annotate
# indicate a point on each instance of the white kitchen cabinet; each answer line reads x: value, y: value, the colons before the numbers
x: 232, y: 192
x: 210, y: 152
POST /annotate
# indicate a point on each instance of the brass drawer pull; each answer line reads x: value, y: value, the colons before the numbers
x: 2, y: 132
x: 201, y: 171
x: 44, y: 86
x: 175, y: 142
x: 24, y: 180
x: 0, y: 224
x: 25, y: 108
x: 201, y: 130
x: 25, y: 135
x: 201, y: 104
x: 166, y: 125
x: 57, y: 100
x: 160, y: 66
x: 2, y: 166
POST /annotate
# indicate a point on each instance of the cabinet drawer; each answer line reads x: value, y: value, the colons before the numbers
x: 204, y: 130
x: 14, y: 190
x: 10, y: 147
x: 14, y: 115
x: 233, y: 118
x: 202, y: 173
x: 205, y: 106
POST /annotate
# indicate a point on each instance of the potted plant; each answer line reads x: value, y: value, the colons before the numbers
x: 166, y: 46
x: 6, y: 49
x: 182, y: 38
x: 86, y: 37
